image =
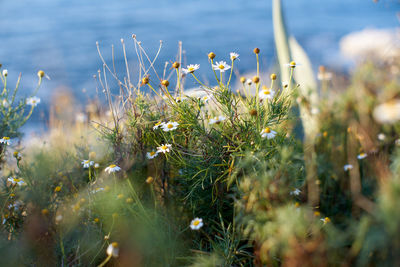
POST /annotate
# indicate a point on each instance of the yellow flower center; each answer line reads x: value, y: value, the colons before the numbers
x: 197, y: 222
x: 190, y: 69
x: 164, y: 147
x: 267, y: 130
x: 17, y: 180
x: 158, y: 123
x: 221, y: 67
x: 292, y: 64
x: 87, y: 161
x: 112, y: 166
x: 152, y: 153
x: 266, y: 92
x: 6, y: 138
x: 169, y: 126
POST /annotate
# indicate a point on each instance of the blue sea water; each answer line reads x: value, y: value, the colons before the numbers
x: 59, y: 36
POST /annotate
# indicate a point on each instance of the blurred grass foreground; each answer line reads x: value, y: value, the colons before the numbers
x: 284, y: 169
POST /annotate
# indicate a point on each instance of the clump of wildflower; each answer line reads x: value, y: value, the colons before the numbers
x: 362, y: 155
x: 113, y: 250
x: 164, y: 148
x: 5, y: 140
x: 217, y: 119
x: 234, y: 56
x: 347, y: 167
x: 191, y: 68
x: 33, y: 101
x: 222, y: 66
x: 87, y: 163
x: 196, y: 224
x: 112, y: 168
x: 267, y: 132
x: 266, y: 93
x: 151, y: 154
x: 17, y: 181
x: 170, y: 126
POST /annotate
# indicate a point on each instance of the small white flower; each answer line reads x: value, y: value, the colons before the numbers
x: 267, y: 132
x: 314, y: 111
x: 164, y: 148
x: 397, y: 142
x: 170, y: 126
x: 266, y: 94
x: 285, y: 84
x: 99, y: 189
x: 112, y: 168
x: 96, y: 165
x: 217, y: 119
x: 5, y: 140
x: 158, y: 125
x: 5, y: 104
x: 152, y: 154
x: 113, y: 250
x: 347, y: 167
x: 248, y: 81
x: 80, y: 117
x: 234, y: 56
x: 191, y: 68
x: 87, y: 163
x: 324, y: 76
x: 362, y: 156
x: 33, y: 101
x: 196, y: 224
x: 180, y: 99
x: 17, y: 181
x: 5, y: 73
x: 295, y: 192
x: 222, y: 66
x: 59, y: 217
x: 381, y: 137
x: 205, y: 98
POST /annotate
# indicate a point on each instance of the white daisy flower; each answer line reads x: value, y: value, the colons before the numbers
x: 285, y: 84
x: 222, y: 66
x: 113, y: 250
x: 362, y: 156
x: 152, y: 154
x: 381, y: 137
x: 96, y: 165
x: 267, y: 132
x: 164, y: 148
x: 112, y: 168
x: 347, y: 167
x: 5, y: 73
x: 170, y: 126
x: 5, y: 140
x: 205, y: 99
x: 388, y: 112
x: 266, y: 94
x: 17, y: 181
x: 196, y: 224
x: 5, y: 103
x: 87, y: 163
x: 248, y: 81
x: 292, y: 64
x: 234, y: 56
x: 33, y: 101
x: 191, y: 68
x: 295, y: 192
x: 217, y: 119
x: 158, y: 125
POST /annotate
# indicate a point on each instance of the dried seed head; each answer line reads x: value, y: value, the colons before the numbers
x: 165, y: 83
x: 256, y: 79
x: 211, y: 55
x: 273, y: 76
x: 145, y: 80
x: 253, y: 112
x: 242, y: 79
x: 256, y: 50
x: 176, y: 65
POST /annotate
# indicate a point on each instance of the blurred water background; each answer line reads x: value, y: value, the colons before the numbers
x: 59, y: 36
